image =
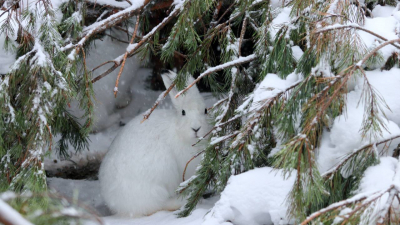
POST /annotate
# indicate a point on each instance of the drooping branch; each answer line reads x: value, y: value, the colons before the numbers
x: 332, y: 171
x: 360, y: 63
x: 105, y: 24
x: 358, y: 198
x: 352, y: 26
x: 132, y: 48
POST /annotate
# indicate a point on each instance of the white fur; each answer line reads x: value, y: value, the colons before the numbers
x: 145, y: 163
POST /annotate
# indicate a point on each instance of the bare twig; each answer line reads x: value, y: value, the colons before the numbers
x: 239, y: 61
x: 217, y: 126
x: 125, y: 56
x: 187, y: 164
x: 354, y: 26
x: 162, y: 96
x: 132, y: 49
x: 112, y: 37
x: 242, y: 35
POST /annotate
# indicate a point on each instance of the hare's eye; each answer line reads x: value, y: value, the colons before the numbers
x: 183, y: 112
x: 205, y: 111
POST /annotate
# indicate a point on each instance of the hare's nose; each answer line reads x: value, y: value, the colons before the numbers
x: 195, y: 130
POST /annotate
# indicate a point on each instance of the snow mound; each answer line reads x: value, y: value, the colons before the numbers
x: 255, y: 197
x: 270, y: 87
x: 378, y: 177
x: 384, y: 26
x: 345, y: 135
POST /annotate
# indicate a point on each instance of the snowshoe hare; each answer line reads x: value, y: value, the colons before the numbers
x: 145, y: 162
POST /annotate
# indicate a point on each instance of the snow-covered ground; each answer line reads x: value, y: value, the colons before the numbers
x: 252, y: 198
x: 163, y: 217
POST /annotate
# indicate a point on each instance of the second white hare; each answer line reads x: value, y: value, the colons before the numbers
x: 145, y: 162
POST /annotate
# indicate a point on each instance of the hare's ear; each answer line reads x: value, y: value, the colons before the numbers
x: 191, y: 96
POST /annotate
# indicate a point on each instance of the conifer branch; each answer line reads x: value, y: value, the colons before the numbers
x: 353, y: 26
x: 358, y: 198
x: 242, y: 33
x: 362, y: 62
x: 329, y: 174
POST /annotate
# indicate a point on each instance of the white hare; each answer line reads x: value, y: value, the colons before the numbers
x: 145, y: 162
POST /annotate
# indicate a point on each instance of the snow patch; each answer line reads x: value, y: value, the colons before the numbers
x: 254, y: 197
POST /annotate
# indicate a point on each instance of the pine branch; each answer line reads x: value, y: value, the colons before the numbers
x: 352, y: 26
x: 368, y: 196
x: 329, y: 174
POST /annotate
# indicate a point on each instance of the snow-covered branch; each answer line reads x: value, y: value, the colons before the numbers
x: 9, y: 216
x: 239, y: 61
x: 110, y: 21
x: 161, y: 97
x: 352, y: 26
x: 330, y: 173
x: 132, y: 48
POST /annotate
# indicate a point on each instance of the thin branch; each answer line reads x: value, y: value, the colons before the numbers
x: 242, y: 33
x: 104, y: 63
x: 162, y: 96
x: 329, y: 173
x: 375, y: 50
x: 125, y: 56
x: 112, y: 37
x: 355, y: 26
x: 134, y: 47
x: 239, y: 61
x: 107, y: 23
x: 218, y: 126
x: 187, y: 164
